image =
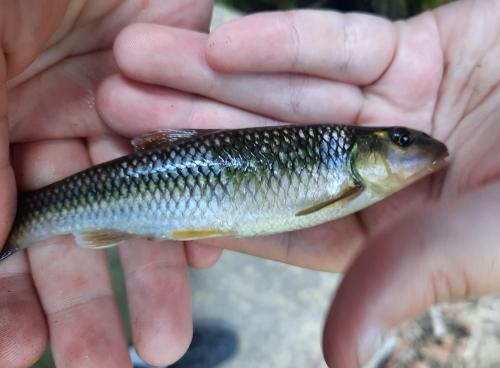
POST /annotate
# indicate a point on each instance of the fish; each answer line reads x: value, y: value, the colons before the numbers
x: 194, y: 184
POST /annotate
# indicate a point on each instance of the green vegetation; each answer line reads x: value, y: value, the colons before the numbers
x: 390, y: 8
x: 261, y: 5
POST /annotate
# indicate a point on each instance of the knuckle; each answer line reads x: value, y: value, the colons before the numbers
x: 298, y: 87
x: 294, y: 39
x: 348, y: 45
x: 448, y: 285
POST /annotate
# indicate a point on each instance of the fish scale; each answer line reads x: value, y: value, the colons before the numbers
x: 241, y: 182
x: 226, y: 165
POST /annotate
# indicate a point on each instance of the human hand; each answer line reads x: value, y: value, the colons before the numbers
x: 438, y: 72
x: 55, y: 54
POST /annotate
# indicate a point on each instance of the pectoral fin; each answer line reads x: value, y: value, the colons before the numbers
x: 101, y: 238
x: 195, y: 234
x: 348, y: 193
x: 162, y: 137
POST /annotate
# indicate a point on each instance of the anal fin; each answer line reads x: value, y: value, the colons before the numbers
x: 101, y: 238
x: 348, y: 193
x: 194, y: 234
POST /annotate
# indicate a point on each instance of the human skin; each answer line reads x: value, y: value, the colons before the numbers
x: 54, y: 56
x: 438, y: 72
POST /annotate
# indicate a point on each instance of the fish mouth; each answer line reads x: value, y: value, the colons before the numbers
x: 440, y: 155
x: 440, y: 159
x: 439, y: 162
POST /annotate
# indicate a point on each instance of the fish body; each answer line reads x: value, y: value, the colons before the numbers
x: 203, y: 184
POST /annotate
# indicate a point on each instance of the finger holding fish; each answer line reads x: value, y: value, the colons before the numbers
x: 23, y: 331
x: 403, y: 91
x: 441, y: 253
x: 132, y: 109
x: 156, y: 280
x: 328, y: 247
x: 384, y: 59
x: 176, y: 59
x: 325, y: 44
x: 74, y: 286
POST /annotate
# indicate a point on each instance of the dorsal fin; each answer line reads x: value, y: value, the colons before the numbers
x: 166, y: 136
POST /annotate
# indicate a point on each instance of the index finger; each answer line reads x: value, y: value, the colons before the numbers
x: 352, y: 48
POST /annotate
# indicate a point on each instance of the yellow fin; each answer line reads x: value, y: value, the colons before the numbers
x: 347, y: 193
x: 101, y: 238
x: 194, y: 234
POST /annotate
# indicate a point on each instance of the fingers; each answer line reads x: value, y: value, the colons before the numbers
x: 73, y: 284
x: 23, y: 331
x: 176, y: 58
x: 81, y: 28
x: 408, y: 89
x: 75, y: 288
x: 354, y: 48
x: 444, y: 253
x: 188, y: 14
x: 201, y: 255
x: 131, y: 109
x: 158, y: 293
x: 328, y: 247
x: 325, y: 44
x: 157, y: 284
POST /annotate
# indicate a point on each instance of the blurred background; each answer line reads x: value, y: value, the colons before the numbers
x: 393, y: 9
x: 250, y: 312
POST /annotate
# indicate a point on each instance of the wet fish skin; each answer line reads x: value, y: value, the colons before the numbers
x: 241, y: 182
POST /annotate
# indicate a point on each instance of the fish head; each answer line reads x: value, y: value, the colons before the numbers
x: 389, y: 159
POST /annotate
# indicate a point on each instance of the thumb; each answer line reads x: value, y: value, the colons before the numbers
x: 446, y: 252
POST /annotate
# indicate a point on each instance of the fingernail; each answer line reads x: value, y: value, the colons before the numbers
x: 370, y: 341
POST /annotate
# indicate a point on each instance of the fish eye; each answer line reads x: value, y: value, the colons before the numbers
x: 401, y: 136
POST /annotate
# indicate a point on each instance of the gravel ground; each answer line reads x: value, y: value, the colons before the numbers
x: 276, y: 310
x: 471, y: 338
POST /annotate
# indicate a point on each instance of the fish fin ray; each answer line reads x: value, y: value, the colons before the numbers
x: 8, y: 250
x: 166, y: 136
x: 195, y: 234
x: 99, y: 239
x: 347, y: 193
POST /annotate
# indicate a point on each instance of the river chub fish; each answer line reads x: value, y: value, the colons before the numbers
x: 194, y: 184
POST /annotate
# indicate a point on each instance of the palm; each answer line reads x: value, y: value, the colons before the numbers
x: 429, y: 88
x: 422, y: 89
x: 57, y: 130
